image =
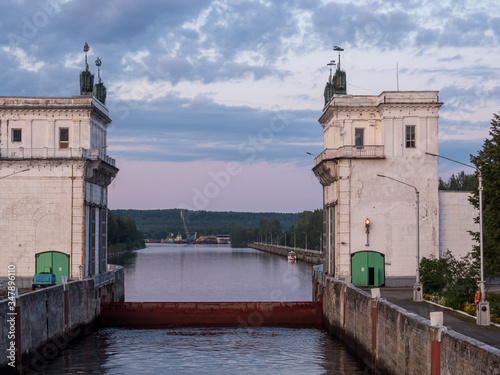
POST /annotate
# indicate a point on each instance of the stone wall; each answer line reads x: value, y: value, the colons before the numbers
x: 47, y: 320
x: 391, y: 340
x: 308, y: 256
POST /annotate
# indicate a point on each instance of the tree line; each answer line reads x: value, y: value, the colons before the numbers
x: 158, y: 224
x: 123, y: 233
x: 305, y: 232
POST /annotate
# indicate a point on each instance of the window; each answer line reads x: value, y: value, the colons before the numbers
x: 63, y: 137
x: 358, y: 136
x: 17, y: 135
x: 410, y: 136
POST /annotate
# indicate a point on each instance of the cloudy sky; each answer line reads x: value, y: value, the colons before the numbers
x: 215, y: 103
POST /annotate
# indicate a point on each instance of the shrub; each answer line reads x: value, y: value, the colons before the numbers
x: 455, y: 280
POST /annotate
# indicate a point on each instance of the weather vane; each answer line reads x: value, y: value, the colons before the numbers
x: 86, y: 49
x: 339, y: 49
x: 98, y: 62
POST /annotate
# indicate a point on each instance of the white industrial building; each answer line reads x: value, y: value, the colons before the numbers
x: 365, y: 138
x: 54, y: 174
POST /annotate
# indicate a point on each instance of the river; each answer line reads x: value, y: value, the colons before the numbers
x: 181, y: 273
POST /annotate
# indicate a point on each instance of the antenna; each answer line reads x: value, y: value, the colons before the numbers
x: 86, y: 48
x: 397, y: 74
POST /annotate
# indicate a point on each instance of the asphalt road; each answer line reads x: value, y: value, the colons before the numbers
x: 465, y: 325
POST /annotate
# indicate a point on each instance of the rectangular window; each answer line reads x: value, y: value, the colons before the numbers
x: 358, y: 136
x: 63, y: 137
x: 410, y: 136
x: 17, y: 135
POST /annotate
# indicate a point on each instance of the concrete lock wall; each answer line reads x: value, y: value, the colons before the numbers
x: 308, y: 256
x: 390, y: 339
x: 47, y: 320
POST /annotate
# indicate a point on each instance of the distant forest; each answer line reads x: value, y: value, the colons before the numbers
x: 158, y: 224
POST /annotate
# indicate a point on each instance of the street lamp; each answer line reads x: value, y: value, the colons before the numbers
x: 294, y: 241
x: 306, y: 238
x: 320, y: 241
x: 483, y: 308
x: 418, y: 295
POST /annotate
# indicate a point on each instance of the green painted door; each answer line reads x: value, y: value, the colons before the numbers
x: 53, y: 262
x: 368, y: 269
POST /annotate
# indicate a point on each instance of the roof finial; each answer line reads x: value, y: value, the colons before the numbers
x: 100, y: 89
x: 86, y: 48
x: 339, y: 49
x: 98, y: 62
x: 330, y: 64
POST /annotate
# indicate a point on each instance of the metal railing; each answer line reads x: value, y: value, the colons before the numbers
x: 106, y: 277
x: 351, y: 152
x: 56, y: 153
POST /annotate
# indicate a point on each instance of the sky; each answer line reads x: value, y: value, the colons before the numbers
x: 215, y: 104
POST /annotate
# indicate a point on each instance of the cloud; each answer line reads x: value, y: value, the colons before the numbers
x: 242, y: 81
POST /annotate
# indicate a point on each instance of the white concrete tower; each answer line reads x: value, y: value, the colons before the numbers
x: 54, y: 173
x: 365, y: 136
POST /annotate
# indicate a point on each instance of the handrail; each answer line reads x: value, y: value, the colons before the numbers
x: 56, y: 153
x: 351, y: 152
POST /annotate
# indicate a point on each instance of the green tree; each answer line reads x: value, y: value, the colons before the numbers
x: 461, y: 182
x: 453, y: 279
x: 309, y: 225
x: 488, y: 162
x: 113, y: 234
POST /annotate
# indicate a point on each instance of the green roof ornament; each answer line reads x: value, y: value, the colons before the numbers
x: 99, y: 88
x: 337, y: 84
x: 329, y: 90
x: 86, y: 78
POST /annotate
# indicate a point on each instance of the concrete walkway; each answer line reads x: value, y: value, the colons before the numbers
x: 465, y: 325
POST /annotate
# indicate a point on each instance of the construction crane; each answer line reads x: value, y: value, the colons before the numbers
x: 188, y: 238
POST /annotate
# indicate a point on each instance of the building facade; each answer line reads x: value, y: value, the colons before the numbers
x: 54, y: 174
x: 367, y: 136
x: 380, y: 188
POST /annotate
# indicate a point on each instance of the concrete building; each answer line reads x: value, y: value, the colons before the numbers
x: 367, y: 137
x: 54, y: 173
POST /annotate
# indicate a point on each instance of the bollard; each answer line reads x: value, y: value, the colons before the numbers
x: 437, y: 318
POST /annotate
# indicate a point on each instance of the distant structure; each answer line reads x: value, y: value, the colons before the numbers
x: 54, y: 174
x: 370, y: 221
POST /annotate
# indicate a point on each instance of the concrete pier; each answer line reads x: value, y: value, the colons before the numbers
x: 393, y: 340
x: 44, y: 321
x: 309, y: 256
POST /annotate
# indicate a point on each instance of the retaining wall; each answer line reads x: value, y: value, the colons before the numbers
x: 303, y: 255
x: 46, y: 320
x: 392, y: 340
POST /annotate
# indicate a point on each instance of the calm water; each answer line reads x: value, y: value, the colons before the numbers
x: 166, y: 273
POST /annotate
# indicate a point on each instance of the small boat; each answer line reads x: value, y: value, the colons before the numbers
x: 292, y: 255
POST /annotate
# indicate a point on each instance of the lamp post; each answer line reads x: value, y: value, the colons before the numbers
x: 320, y: 241
x: 294, y: 241
x: 418, y: 295
x: 483, y: 307
x: 306, y: 238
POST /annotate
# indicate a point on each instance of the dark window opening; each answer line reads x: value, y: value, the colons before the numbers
x: 17, y: 135
x: 410, y: 136
x: 358, y: 136
x: 63, y: 137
